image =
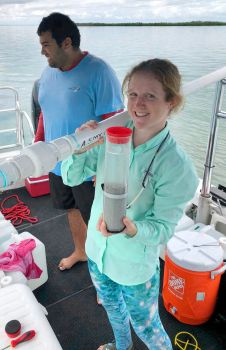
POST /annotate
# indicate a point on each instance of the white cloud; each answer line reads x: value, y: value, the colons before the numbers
x: 31, y: 11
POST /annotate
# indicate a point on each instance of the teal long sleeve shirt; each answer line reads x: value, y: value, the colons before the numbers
x: 157, y: 211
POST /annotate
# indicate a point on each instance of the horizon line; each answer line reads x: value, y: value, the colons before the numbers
x: 186, y: 23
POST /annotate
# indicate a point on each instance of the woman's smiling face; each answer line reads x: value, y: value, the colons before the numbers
x: 147, y: 103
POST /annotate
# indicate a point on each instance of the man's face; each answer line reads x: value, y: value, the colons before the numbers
x: 54, y: 53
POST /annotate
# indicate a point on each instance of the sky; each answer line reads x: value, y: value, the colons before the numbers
x: 31, y: 11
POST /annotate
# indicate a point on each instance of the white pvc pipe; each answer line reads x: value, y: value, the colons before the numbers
x: 41, y: 157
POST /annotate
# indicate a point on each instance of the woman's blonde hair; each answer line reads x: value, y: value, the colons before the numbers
x: 166, y: 73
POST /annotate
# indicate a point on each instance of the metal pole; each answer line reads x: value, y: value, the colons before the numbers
x: 203, y: 210
x: 212, y: 142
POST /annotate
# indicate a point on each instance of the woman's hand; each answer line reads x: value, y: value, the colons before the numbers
x: 91, y: 124
x: 130, y: 229
x: 101, y: 226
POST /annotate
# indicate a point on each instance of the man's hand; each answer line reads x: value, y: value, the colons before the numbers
x: 91, y: 124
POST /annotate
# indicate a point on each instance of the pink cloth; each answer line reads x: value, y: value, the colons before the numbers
x: 18, y: 257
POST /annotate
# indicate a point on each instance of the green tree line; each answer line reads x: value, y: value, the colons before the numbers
x: 159, y: 24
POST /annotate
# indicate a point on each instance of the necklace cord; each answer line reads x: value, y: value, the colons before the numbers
x: 148, y: 172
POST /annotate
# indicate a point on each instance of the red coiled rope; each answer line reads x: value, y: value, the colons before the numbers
x: 18, y: 212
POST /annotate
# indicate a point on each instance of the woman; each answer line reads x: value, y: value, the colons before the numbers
x: 125, y: 267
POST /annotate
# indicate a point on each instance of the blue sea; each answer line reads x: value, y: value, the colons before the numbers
x: 196, y: 51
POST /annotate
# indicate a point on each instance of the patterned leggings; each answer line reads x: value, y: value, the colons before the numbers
x: 136, y: 304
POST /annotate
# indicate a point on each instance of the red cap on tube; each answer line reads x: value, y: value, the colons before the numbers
x: 118, y: 134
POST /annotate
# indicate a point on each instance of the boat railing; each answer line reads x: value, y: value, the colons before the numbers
x: 204, y: 204
x: 217, y: 114
x: 219, y: 77
x: 18, y: 121
x: 204, y: 81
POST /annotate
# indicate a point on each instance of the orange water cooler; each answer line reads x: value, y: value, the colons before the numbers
x: 193, y: 268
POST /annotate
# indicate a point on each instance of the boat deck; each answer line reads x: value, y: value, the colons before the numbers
x: 69, y: 296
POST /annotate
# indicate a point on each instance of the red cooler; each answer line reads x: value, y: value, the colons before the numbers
x: 193, y: 268
x: 38, y: 186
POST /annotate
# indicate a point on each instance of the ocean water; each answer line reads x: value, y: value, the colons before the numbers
x: 195, y: 50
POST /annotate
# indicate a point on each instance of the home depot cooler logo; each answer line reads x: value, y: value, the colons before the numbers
x: 176, y: 284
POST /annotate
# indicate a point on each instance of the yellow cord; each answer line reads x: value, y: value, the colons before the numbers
x: 183, y: 345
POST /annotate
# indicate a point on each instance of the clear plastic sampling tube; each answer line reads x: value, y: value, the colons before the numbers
x: 116, y: 170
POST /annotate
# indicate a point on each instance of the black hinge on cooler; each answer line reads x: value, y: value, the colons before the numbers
x: 219, y: 193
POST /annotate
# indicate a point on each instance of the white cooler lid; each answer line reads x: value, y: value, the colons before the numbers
x: 183, y: 251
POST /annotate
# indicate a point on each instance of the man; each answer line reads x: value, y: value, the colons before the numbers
x: 74, y: 88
